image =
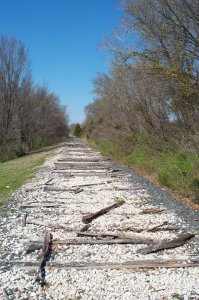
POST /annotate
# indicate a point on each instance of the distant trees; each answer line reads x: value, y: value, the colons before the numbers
x: 30, y: 116
x: 77, y: 130
x: 152, y: 88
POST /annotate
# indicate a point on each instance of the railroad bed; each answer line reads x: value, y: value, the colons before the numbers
x: 85, y: 228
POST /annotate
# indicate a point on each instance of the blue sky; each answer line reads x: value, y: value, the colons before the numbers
x: 63, y: 38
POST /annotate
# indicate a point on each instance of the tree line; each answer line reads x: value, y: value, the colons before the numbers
x: 152, y: 88
x: 30, y: 115
x: 146, y: 108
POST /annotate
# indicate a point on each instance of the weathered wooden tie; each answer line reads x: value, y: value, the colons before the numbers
x: 174, y: 243
x: 135, y: 264
x: 90, y: 217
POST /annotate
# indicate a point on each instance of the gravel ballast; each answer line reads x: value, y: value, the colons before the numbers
x: 76, y: 181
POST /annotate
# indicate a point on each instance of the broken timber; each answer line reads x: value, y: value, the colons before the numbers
x: 152, y: 229
x: 60, y: 166
x: 111, y: 235
x: 90, y: 217
x: 67, y: 173
x: 36, y: 245
x: 77, y: 160
x: 136, y: 264
x: 55, y: 226
x: 152, y: 210
x: 118, y: 241
x: 39, y: 206
x: 59, y: 189
x: 49, y: 181
x: 177, y: 242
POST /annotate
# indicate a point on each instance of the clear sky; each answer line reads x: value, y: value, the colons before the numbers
x: 63, y: 38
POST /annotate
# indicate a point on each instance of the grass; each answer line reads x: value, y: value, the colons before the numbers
x: 168, y: 167
x: 16, y: 172
x: 172, y: 169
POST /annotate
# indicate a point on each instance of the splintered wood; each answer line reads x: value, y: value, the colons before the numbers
x: 106, y: 241
x: 177, y: 242
x: 90, y: 217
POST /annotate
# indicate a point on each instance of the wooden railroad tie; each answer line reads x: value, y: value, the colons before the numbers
x: 135, y: 264
x: 91, y: 216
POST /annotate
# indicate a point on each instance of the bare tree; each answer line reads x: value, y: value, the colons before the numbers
x: 153, y: 87
x: 30, y: 116
x: 14, y: 70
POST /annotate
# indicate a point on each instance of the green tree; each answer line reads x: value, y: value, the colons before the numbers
x: 77, y: 130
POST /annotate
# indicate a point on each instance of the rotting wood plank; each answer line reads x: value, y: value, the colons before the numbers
x: 174, y: 243
x: 92, y: 184
x: 132, y: 241
x: 89, y: 160
x: 85, y: 227
x: 168, y: 228
x: 61, y: 166
x: 83, y: 164
x: 119, y: 236
x: 152, y: 210
x: 60, y: 189
x: 136, y: 264
x: 23, y: 206
x: 77, y: 189
x: 138, y: 230
x: 49, y: 181
x: 51, y: 225
x: 90, y: 217
x: 103, y: 171
x: 73, y: 173
x: 67, y: 173
x: 152, y: 229
x: 157, y: 227
x: 98, y: 235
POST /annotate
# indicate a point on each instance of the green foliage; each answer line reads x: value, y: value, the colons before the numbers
x: 141, y: 158
x: 180, y: 172
x: 109, y: 149
x: 171, y: 168
x: 78, y: 130
x: 40, y: 143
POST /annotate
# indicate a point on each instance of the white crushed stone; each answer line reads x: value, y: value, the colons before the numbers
x: 126, y: 284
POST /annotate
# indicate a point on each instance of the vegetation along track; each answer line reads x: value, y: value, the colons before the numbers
x: 84, y: 229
